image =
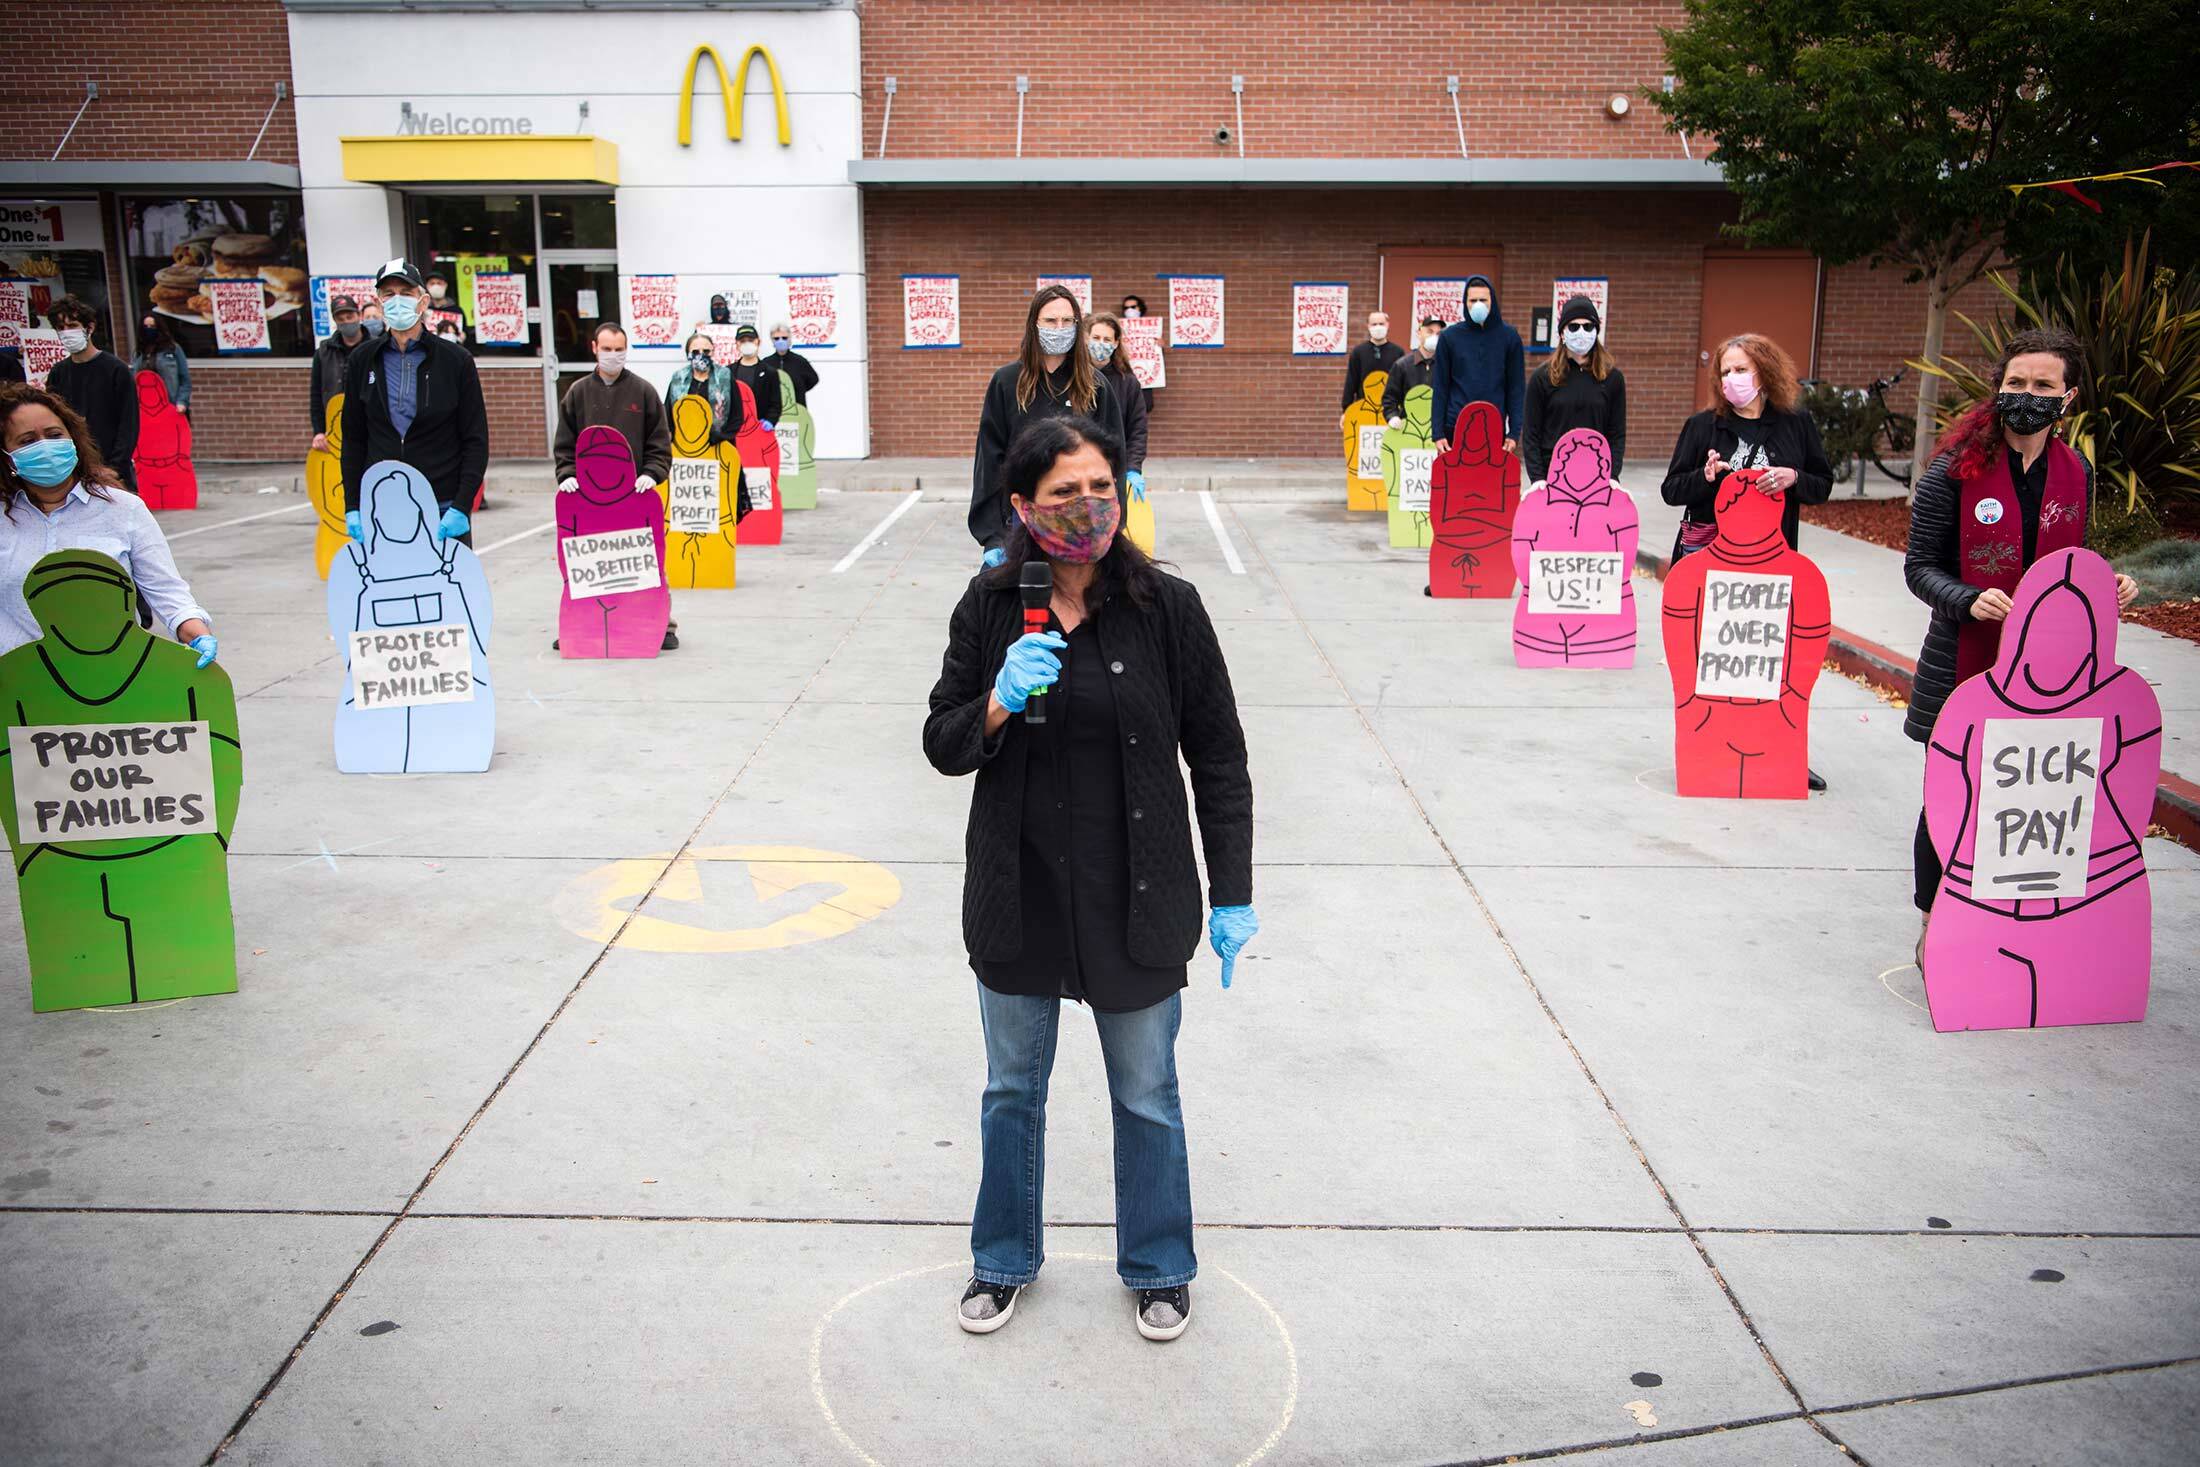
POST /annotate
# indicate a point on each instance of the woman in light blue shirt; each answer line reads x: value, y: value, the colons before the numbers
x: 55, y: 494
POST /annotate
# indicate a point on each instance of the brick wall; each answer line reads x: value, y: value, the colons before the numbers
x: 258, y: 414
x: 1322, y: 78
x: 1873, y: 323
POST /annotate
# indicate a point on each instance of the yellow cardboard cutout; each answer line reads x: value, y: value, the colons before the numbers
x: 1138, y: 521
x: 325, y: 488
x: 1363, y: 491
x: 701, y: 561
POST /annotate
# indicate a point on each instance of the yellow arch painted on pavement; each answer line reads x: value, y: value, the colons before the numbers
x: 733, y: 95
x: 594, y: 905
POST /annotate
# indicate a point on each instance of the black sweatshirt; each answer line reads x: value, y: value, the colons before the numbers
x: 1579, y: 402
x: 103, y: 390
x: 1367, y: 357
x: 1785, y: 441
x: 1133, y: 399
x: 796, y: 366
x: 1002, y: 419
x: 1407, y: 373
x: 763, y: 380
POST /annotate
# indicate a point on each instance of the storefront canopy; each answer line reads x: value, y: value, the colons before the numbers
x: 1658, y: 173
x: 499, y: 158
x: 42, y: 178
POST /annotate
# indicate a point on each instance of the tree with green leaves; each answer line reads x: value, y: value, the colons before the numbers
x: 1891, y: 130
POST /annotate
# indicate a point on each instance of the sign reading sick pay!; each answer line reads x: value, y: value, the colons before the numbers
x: 727, y: 899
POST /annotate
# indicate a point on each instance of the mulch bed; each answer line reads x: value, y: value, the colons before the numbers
x: 1881, y: 521
x: 2173, y: 618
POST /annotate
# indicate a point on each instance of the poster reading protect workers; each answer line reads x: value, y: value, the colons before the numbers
x: 1079, y: 286
x: 1195, y: 311
x: 1318, y: 312
x: 500, y: 309
x: 239, y: 310
x: 1142, y: 349
x: 41, y: 347
x: 653, y: 310
x: 931, y: 312
x: 813, y: 309
x: 15, y: 311
x: 467, y: 267
x: 1439, y: 298
x: 1597, y: 288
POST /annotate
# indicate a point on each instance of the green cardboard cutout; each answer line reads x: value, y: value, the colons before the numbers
x: 1409, y: 527
x: 123, y: 770
x: 797, y: 471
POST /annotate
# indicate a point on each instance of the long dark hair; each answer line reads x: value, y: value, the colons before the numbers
x: 1084, y: 387
x: 91, y: 471
x: 1974, y: 441
x: 1125, y: 567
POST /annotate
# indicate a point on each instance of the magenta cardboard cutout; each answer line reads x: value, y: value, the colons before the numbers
x: 165, y: 476
x: 1746, y: 625
x: 1474, y: 493
x: 766, y: 521
x: 1573, y: 549
x: 2039, y: 782
x: 611, y: 555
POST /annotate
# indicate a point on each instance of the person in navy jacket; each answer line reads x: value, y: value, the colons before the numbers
x: 1479, y: 359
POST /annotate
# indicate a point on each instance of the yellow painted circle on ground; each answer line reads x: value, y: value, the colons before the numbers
x: 597, y: 906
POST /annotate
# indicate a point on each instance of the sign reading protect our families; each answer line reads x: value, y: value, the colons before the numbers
x: 2035, y: 814
x: 613, y: 561
x: 411, y: 667
x: 1587, y: 583
x: 96, y: 782
x: 1742, y: 651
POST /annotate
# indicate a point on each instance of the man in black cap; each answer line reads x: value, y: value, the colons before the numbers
x: 416, y: 398
x: 762, y: 377
x: 331, y: 361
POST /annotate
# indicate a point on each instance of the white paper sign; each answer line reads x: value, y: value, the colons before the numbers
x: 1318, y: 311
x: 609, y: 563
x: 1196, y: 316
x: 406, y: 667
x: 653, y: 309
x: 1742, y: 652
x: 1439, y: 298
x: 500, y: 308
x: 1597, y: 288
x: 693, y: 488
x: 1370, y: 463
x: 240, y: 314
x: 1574, y: 582
x: 1079, y: 286
x: 41, y: 348
x: 813, y: 309
x: 1142, y: 349
x: 112, y: 781
x: 759, y: 481
x: 790, y: 446
x: 1416, y: 473
x: 931, y: 311
x: 2035, y: 813
x: 584, y: 303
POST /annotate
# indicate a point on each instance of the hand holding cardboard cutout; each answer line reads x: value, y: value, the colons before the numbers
x: 701, y: 503
x: 766, y: 521
x: 1746, y: 625
x: 2039, y: 783
x: 165, y: 476
x: 1363, y: 445
x: 612, y: 599
x: 411, y: 618
x: 125, y: 881
x: 796, y: 431
x: 325, y: 488
x: 1573, y: 550
x: 1474, y: 494
x: 1409, y: 466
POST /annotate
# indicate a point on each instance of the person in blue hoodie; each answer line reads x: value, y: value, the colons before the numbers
x: 1479, y: 360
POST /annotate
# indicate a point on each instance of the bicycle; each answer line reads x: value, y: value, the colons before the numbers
x: 1894, y: 435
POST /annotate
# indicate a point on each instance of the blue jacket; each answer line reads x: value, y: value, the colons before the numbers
x: 1482, y: 363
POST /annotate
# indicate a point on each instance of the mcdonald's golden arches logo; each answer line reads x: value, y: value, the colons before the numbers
x: 734, y: 94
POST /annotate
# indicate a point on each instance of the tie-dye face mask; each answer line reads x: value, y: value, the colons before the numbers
x: 1076, y: 533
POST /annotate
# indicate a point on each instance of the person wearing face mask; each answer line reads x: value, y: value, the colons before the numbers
x: 1050, y: 378
x: 1104, y: 339
x: 1080, y: 882
x: 332, y: 361
x: 612, y: 397
x: 1581, y: 388
x: 409, y: 395
x: 1376, y: 354
x: 1479, y: 359
x: 761, y: 376
x: 444, y: 309
x: 1753, y: 421
x: 56, y: 494
x: 1133, y: 307
x: 703, y: 375
x: 97, y: 384
x: 2002, y: 493
x: 1410, y: 371
x: 784, y: 358
x: 159, y: 353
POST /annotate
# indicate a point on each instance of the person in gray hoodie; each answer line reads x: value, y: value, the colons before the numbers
x: 1479, y: 359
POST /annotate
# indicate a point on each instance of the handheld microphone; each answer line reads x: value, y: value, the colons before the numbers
x: 1036, y: 587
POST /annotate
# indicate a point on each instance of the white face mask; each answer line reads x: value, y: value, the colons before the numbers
x: 1132, y: 313
x: 74, y: 339
x: 1580, y: 338
x: 1378, y: 333
x: 437, y: 289
x: 611, y: 360
x: 1428, y: 340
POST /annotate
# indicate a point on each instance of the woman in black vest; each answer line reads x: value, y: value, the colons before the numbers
x: 1052, y: 377
x: 1079, y: 881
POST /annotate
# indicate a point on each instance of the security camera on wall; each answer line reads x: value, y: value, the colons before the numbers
x: 1222, y: 137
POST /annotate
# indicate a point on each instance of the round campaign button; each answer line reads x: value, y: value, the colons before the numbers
x: 1988, y: 511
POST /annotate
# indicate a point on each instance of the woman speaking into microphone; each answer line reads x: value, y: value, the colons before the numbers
x: 1079, y: 880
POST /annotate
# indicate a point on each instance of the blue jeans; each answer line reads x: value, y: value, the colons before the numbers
x: 1153, y: 1178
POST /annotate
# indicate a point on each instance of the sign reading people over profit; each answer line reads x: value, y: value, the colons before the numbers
x: 2035, y: 814
x: 692, y: 491
x: 1318, y: 311
x: 613, y: 561
x: 931, y: 311
x: 97, y: 782
x: 1587, y: 582
x: 408, y: 667
x: 1742, y: 652
x: 1195, y: 311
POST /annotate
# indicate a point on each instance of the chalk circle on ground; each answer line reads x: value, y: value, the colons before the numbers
x: 1072, y: 1352
x: 850, y: 892
x: 1915, y: 982
x: 1659, y: 781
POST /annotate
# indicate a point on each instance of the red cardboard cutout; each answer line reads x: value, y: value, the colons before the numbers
x: 165, y: 477
x: 766, y: 521
x: 2038, y: 786
x: 621, y: 622
x: 1746, y: 625
x: 1473, y: 495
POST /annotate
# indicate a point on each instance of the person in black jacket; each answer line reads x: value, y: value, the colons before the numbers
x: 1410, y: 371
x: 1050, y: 378
x: 798, y: 367
x: 762, y: 377
x: 412, y: 397
x: 98, y: 384
x: 332, y: 363
x: 1376, y: 354
x: 1580, y: 388
x: 1104, y: 339
x: 1080, y: 881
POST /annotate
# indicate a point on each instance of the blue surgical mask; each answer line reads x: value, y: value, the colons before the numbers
x: 1479, y: 312
x: 402, y: 312
x: 1056, y: 341
x: 47, y: 462
x: 781, y: 343
x: 374, y: 325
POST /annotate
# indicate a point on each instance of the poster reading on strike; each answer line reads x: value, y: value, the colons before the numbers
x: 1080, y: 286
x: 239, y: 309
x: 931, y: 312
x: 2035, y: 814
x: 322, y: 290
x: 410, y: 667
x: 692, y: 496
x: 611, y: 562
x: 1416, y: 474
x: 813, y: 309
x: 1742, y: 650
x: 1597, y: 288
x: 90, y: 782
x: 1318, y: 311
x: 1587, y: 583
x: 1443, y: 299
x: 653, y: 310
x: 1369, y: 461
x: 41, y: 347
x: 1195, y: 311
x: 500, y: 309
x: 1142, y: 349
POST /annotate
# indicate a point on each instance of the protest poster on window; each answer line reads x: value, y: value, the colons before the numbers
x: 239, y: 311
x: 1443, y: 299
x: 500, y: 309
x: 1597, y: 288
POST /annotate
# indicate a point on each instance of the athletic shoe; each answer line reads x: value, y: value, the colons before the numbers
x: 986, y: 1307
x: 1163, y: 1314
x: 672, y: 641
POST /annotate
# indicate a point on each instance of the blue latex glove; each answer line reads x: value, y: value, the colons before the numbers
x: 995, y: 556
x: 1031, y: 667
x: 767, y: 427
x: 1228, y: 930
x: 1137, y: 480
x: 351, y: 525
x: 206, y: 647
x: 453, y: 524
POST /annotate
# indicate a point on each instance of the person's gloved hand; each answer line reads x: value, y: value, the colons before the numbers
x: 206, y: 646
x: 351, y: 526
x: 993, y: 556
x: 453, y: 524
x: 643, y: 481
x: 1031, y: 667
x: 1397, y: 422
x: 768, y: 427
x: 1228, y: 930
x: 569, y: 485
x: 1538, y: 485
x: 1136, y: 478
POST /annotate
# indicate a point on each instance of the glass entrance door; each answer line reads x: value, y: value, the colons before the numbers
x: 578, y: 288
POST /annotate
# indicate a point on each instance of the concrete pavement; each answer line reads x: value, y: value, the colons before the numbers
x: 619, y: 1105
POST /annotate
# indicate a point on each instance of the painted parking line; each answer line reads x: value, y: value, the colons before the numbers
x: 514, y: 539
x: 909, y: 502
x: 1222, y: 536
x: 266, y: 514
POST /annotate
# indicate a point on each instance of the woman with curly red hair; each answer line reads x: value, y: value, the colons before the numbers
x: 1755, y: 420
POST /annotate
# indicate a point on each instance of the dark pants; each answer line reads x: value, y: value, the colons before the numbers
x: 1926, y: 860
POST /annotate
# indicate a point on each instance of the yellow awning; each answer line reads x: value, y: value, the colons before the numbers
x: 504, y: 158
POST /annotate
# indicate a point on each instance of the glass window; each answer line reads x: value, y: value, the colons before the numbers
x: 579, y: 222
x: 52, y: 274
x: 455, y: 235
x: 171, y: 244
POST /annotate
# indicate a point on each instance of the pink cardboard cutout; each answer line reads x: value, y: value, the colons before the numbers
x: 2039, y: 782
x: 1573, y: 549
x: 1474, y: 493
x: 1746, y: 625
x: 616, y: 623
x: 766, y: 521
x: 165, y: 477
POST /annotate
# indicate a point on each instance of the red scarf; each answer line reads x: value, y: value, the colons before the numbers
x: 1990, y: 551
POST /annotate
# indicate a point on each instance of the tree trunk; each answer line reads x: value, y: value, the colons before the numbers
x: 1928, y: 386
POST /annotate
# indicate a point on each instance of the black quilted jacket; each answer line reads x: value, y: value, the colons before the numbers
x: 1173, y: 694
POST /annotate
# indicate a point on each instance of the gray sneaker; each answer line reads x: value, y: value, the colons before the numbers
x: 986, y: 1307
x: 1163, y: 1314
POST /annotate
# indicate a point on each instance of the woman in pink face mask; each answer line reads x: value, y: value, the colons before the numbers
x: 1754, y: 420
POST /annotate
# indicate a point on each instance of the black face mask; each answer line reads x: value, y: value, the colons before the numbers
x: 2026, y: 412
x: 719, y: 315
